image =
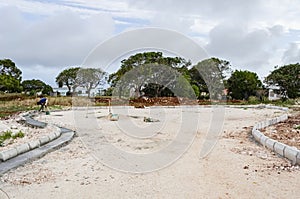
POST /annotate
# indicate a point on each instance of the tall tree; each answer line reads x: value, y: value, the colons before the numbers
x: 10, y: 76
x: 142, y: 67
x: 243, y: 84
x: 287, y: 78
x: 8, y: 67
x: 9, y: 84
x: 210, y: 76
x: 68, y: 78
x: 90, y: 78
x: 34, y: 85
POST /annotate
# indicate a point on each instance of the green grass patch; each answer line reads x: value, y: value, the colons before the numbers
x: 9, y: 135
x: 6, y: 111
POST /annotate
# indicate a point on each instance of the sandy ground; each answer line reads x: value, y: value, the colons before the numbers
x: 237, y: 167
x: 15, y: 124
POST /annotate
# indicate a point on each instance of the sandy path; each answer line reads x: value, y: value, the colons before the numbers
x: 236, y: 168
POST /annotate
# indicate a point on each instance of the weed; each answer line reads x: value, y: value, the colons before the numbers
x: 20, y: 134
x: 8, y: 135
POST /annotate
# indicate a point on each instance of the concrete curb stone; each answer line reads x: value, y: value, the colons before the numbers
x: 21, y: 154
x: 291, y: 153
x: 270, y: 144
x: 5, y: 155
x: 279, y: 148
x: 10, y: 153
x: 22, y: 148
x: 34, y: 144
x: 263, y: 139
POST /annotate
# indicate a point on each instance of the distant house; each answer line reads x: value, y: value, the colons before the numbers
x: 275, y: 93
x: 60, y: 91
x: 80, y: 91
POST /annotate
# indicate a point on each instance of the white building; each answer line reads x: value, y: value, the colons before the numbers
x: 80, y: 91
x: 274, y: 93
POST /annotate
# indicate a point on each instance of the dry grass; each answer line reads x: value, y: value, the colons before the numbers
x: 24, y: 103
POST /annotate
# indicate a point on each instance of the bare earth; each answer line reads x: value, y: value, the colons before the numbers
x: 237, y: 167
x: 287, y: 132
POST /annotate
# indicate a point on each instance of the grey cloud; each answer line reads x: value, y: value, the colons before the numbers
x: 292, y: 54
x: 216, y: 8
x: 233, y: 42
x: 62, y: 39
x: 276, y: 30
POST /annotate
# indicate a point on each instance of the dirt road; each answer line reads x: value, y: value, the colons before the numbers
x: 237, y: 167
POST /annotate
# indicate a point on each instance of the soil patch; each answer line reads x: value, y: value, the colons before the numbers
x: 287, y: 132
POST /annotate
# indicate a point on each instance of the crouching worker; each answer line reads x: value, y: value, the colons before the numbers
x: 43, y: 102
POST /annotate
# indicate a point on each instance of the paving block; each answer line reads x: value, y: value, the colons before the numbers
x: 285, y: 117
x: 270, y: 144
x: 45, y: 139
x: 34, y: 144
x: 291, y: 154
x: 263, y: 124
x: 22, y: 148
x: 10, y: 153
x: 57, y: 133
x: 51, y: 136
x: 298, y: 158
x: 259, y: 125
x: 257, y: 134
x: 263, y: 139
x: 279, y: 148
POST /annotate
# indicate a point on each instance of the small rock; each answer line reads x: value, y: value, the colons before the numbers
x: 14, y: 127
x: 246, y: 167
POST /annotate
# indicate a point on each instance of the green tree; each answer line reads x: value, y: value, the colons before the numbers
x: 210, y: 76
x: 243, y: 84
x: 33, y: 86
x: 68, y: 78
x: 8, y: 67
x: 287, y: 78
x: 10, y: 76
x: 9, y: 84
x: 141, y: 71
x: 90, y: 78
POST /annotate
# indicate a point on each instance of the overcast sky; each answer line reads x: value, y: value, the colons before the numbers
x: 44, y: 37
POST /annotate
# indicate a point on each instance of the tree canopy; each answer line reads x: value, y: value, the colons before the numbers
x: 143, y: 59
x: 243, y: 84
x: 210, y: 75
x: 10, y: 76
x: 144, y: 72
x: 287, y: 78
x: 90, y: 78
x: 68, y: 78
x: 34, y: 85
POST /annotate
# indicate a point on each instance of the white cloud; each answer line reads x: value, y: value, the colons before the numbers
x: 229, y: 40
x: 56, y: 41
x: 292, y: 54
x: 251, y: 35
x: 246, y: 48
